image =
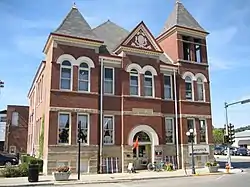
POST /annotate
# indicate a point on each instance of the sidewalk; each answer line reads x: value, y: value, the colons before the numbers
x: 106, y: 178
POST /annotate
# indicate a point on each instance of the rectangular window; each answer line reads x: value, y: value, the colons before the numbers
x: 108, y: 130
x: 83, y: 79
x: 63, y: 129
x: 203, y: 131
x: 200, y: 91
x: 167, y: 87
x: 134, y: 83
x: 169, y: 130
x: 189, y: 92
x: 109, y: 80
x: 14, y: 120
x: 186, y: 51
x: 83, y: 121
x: 148, y: 86
x: 66, y: 78
x: 190, y: 125
x: 197, y: 53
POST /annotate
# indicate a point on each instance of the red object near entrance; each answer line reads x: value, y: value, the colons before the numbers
x: 136, y: 144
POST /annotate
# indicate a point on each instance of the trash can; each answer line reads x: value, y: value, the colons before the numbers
x: 33, y: 172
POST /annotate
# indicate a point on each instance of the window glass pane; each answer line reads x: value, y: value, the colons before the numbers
x: 167, y: 92
x: 133, y: 80
x: 133, y: 90
x: 108, y: 87
x: 169, y: 131
x: 108, y: 130
x: 14, y: 120
x: 65, y: 83
x: 84, y: 65
x: 83, y: 85
x: 200, y: 92
x: 148, y: 73
x: 188, y: 90
x: 63, y: 128
x: 190, y: 125
x: 84, y: 74
x: 108, y: 73
x: 148, y: 81
x: 167, y: 87
x: 203, y: 131
x: 66, y: 63
x: 148, y: 91
x: 197, y: 53
x: 83, y: 122
x: 66, y: 73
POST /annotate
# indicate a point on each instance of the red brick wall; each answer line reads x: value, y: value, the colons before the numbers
x: 17, y: 135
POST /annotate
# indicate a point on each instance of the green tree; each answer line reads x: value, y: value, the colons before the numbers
x: 218, y: 135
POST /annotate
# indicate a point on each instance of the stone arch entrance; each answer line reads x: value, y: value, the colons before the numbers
x: 147, y: 139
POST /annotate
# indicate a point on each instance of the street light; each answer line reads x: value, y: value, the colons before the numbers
x: 226, y: 105
x: 191, y: 134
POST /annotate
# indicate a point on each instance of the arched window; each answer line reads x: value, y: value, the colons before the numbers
x: 148, y: 84
x: 189, y: 88
x: 200, y: 89
x: 83, y: 77
x: 65, y: 75
x: 134, y: 82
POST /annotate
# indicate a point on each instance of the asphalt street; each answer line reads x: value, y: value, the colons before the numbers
x: 232, y: 180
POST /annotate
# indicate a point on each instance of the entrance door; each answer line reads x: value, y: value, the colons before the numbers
x: 142, y: 154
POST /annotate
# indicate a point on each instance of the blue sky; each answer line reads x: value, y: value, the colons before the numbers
x: 25, y: 26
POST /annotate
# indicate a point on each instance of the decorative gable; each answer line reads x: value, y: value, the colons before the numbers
x: 141, y: 38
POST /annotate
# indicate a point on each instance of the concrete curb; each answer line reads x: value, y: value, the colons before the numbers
x: 54, y: 183
x: 29, y: 184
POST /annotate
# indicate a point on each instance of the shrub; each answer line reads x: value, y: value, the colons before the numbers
x: 32, y: 160
x: 15, y: 171
x: 63, y: 169
x: 209, y: 164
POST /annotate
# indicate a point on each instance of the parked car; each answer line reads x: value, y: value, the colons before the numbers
x: 248, y: 152
x: 218, y: 151
x: 7, y: 159
x: 233, y: 151
x: 242, y: 151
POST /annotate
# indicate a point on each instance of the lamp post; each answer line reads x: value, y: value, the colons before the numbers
x: 226, y: 105
x: 191, y: 135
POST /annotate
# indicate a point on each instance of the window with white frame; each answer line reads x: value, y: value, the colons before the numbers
x: 83, y: 77
x: 167, y: 87
x: 83, y: 122
x: 63, y: 129
x: 169, y: 130
x: 134, y: 82
x: 200, y: 89
x: 108, y: 80
x: 189, y: 88
x: 190, y: 125
x: 66, y: 75
x: 203, y: 131
x: 14, y: 118
x: 108, y: 130
x: 148, y: 84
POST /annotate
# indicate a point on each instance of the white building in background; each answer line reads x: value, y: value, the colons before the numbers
x: 242, y: 139
x: 3, y: 117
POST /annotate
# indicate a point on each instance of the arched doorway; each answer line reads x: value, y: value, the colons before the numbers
x: 142, y: 153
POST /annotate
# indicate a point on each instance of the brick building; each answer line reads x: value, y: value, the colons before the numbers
x: 16, y: 129
x: 129, y: 84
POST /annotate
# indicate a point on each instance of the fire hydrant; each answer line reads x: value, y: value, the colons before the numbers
x: 227, y: 168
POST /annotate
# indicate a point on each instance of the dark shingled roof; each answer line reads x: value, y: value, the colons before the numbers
x: 181, y: 17
x: 111, y: 34
x: 75, y: 25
